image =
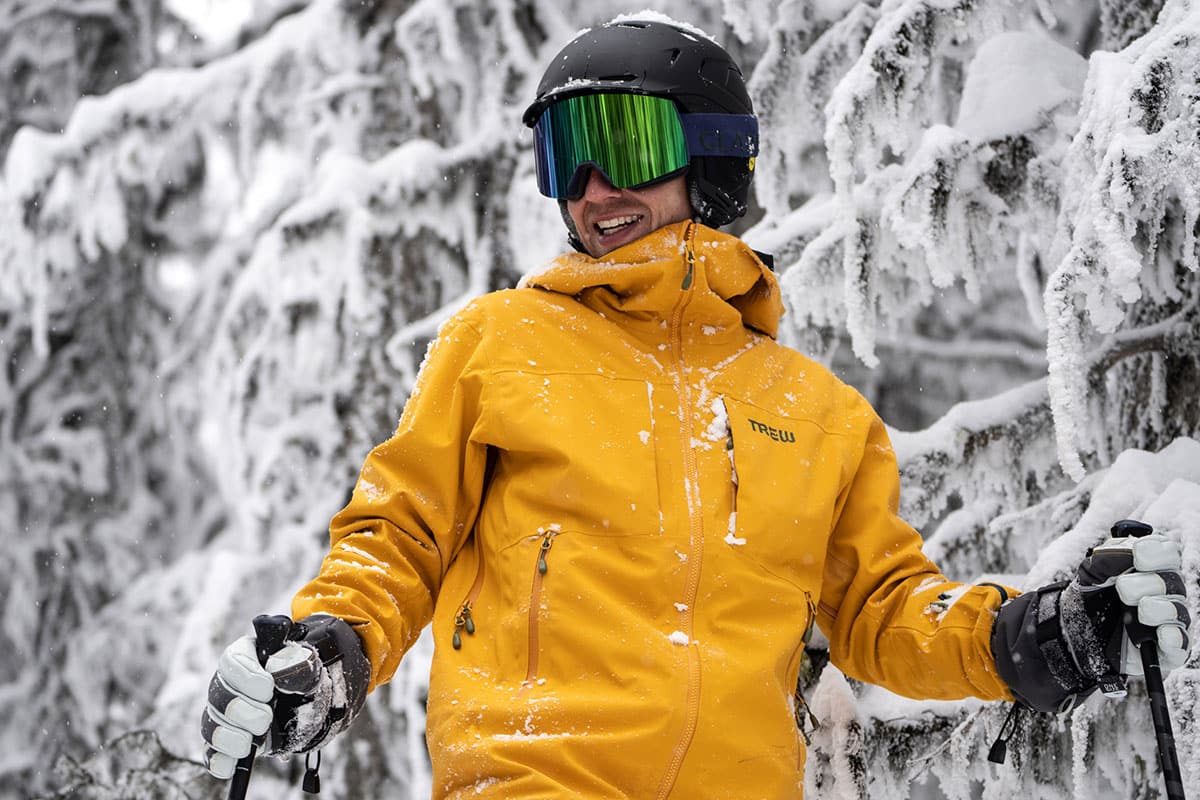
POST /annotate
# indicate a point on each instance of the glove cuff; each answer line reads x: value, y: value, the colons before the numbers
x: 1031, y: 652
x: 341, y: 693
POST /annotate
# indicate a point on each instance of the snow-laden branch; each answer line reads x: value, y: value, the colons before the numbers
x: 804, y: 60
x: 69, y: 195
x: 1136, y: 166
x: 999, y: 451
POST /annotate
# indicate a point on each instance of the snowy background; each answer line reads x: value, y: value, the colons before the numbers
x: 229, y: 229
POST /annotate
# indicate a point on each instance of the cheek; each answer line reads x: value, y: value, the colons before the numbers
x: 676, y: 201
x: 678, y: 209
x: 573, y: 211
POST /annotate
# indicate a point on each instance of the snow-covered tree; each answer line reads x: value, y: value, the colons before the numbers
x: 228, y: 230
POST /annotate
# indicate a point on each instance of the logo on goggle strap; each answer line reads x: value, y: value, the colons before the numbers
x: 778, y: 434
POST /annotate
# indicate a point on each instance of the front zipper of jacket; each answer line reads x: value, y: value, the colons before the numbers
x: 535, y: 601
x: 464, y: 621
x: 695, y: 522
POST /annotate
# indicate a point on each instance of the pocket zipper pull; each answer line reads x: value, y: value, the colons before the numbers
x: 805, y: 714
x: 547, y: 541
x: 462, y: 621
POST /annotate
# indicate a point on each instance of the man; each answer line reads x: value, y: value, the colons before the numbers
x: 622, y: 504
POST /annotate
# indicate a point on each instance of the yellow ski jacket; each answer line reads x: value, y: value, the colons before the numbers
x: 621, y: 503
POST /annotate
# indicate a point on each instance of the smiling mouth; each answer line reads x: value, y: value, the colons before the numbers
x: 610, y: 226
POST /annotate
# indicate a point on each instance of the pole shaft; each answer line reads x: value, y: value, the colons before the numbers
x: 1168, y: 758
x: 241, y: 776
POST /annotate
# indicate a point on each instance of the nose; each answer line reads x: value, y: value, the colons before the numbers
x: 597, y: 187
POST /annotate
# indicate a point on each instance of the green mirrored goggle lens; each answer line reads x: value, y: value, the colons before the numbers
x: 633, y: 139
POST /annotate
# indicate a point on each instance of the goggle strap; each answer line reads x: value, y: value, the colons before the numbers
x: 733, y: 135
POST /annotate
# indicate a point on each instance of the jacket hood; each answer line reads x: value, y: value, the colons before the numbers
x: 731, y: 285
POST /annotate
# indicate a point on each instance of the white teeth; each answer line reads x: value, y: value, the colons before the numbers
x: 616, y: 222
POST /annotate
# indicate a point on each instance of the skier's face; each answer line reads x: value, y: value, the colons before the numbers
x: 606, y: 217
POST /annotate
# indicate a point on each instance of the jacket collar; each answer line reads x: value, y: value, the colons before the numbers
x: 728, y: 283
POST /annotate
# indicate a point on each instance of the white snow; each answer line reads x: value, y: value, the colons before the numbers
x: 1016, y: 82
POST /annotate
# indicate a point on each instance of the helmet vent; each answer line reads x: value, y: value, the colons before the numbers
x: 675, y: 55
x: 625, y: 77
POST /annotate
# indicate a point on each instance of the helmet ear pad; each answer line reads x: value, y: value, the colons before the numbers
x: 719, y: 188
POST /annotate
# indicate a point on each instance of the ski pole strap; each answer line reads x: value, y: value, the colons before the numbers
x: 999, y: 750
x: 312, y: 781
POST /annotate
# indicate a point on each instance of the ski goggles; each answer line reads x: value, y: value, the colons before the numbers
x: 633, y: 139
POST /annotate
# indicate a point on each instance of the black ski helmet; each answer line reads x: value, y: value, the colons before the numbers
x: 657, y: 58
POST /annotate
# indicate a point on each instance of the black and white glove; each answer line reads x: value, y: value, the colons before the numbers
x: 1055, y: 646
x: 310, y: 689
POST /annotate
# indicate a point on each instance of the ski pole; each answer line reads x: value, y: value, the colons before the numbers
x: 1168, y: 759
x: 1144, y: 637
x: 270, y: 632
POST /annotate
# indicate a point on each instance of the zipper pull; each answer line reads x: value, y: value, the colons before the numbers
x: 312, y: 781
x: 804, y: 714
x: 812, y: 619
x: 462, y: 621
x: 691, y: 259
x: 999, y: 750
x: 547, y: 541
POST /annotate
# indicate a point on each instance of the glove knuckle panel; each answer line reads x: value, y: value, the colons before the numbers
x: 1157, y: 610
x: 1171, y: 637
x: 1134, y: 586
x: 245, y: 676
x: 218, y: 764
x: 1156, y: 553
x: 291, y: 656
x: 248, y: 715
x: 233, y: 742
x: 300, y: 673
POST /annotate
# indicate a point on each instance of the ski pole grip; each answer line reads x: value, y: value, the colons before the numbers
x: 1131, y: 527
x: 270, y: 634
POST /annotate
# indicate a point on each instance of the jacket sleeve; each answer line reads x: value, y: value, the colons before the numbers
x: 414, y: 504
x: 891, y: 617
